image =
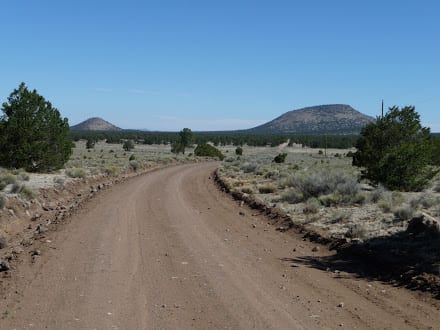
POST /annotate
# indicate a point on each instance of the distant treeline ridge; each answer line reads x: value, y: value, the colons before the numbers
x: 220, y: 138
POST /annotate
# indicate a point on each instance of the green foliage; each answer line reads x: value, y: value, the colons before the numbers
x: 396, y: 150
x: 33, y: 135
x: 280, y: 158
x: 90, y: 144
x: 177, y: 148
x: 236, y: 138
x: 134, y: 165
x: 186, y: 138
x: 330, y: 187
x: 128, y: 145
x: 239, y: 151
x: 266, y: 189
x: 208, y: 150
x: 132, y: 157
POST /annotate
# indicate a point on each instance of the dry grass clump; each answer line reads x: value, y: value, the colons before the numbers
x: 76, y: 172
x: 356, y: 230
x: 404, y: 212
x: 425, y: 200
x: 340, y: 216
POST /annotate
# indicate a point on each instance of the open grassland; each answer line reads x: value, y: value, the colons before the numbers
x: 102, y: 160
x: 321, y: 191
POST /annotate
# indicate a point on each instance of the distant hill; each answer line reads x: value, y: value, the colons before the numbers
x: 321, y: 119
x: 95, y: 124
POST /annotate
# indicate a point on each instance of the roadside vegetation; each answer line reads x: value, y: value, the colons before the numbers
x: 395, y: 177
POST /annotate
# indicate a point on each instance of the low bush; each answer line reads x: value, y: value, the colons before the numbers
x: 405, y: 212
x: 249, y: 167
x: 2, y: 202
x: 340, y: 216
x: 312, y: 206
x: 207, y: 150
x: 423, y: 201
x: 384, y: 205
x: 132, y: 157
x: 246, y: 190
x: 134, y: 165
x: 27, y: 193
x: 76, y: 173
x: 266, y: 189
x: 324, y: 182
x: 280, y: 158
x: 239, y: 151
x: 292, y: 196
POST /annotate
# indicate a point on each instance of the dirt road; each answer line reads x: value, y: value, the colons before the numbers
x: 168, y: 250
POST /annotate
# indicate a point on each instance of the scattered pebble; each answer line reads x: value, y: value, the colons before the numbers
x: 341, y: 305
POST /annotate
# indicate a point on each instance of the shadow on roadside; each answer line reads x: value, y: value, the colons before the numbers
x: 401, y: 259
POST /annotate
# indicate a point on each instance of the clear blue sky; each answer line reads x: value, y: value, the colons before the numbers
x: 208, y: 65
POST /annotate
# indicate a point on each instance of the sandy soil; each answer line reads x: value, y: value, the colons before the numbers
x: 168, y: 250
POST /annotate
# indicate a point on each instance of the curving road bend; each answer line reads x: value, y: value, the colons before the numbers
x: 168, y: 250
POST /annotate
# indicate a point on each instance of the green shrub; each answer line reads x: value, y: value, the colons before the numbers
x: 280, y: 158
x: 312, y: 206
x: 324, y: 182
x: 396, y: 150
x: 340, y: 216
x: 249, y: 167
x: 292, y: 196
x: 128, y: 145
x: 2, y: 202
x: 27, y: 193
x: 359, y: 198
x: 207, y: 150
x: 24, y: 176
x: 33, y: 134
x: 384, y: 205
x: 239, y: 151
x: 266, y: 189
x: 8, y: 178
x: 247, y: 190
x: 132, y: 157
x: 330, y: 199
x: 134, y: 165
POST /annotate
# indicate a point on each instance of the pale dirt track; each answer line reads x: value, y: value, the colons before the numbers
x: 168, y: 250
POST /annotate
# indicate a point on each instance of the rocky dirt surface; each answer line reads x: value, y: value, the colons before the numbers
x: 169, y: 250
